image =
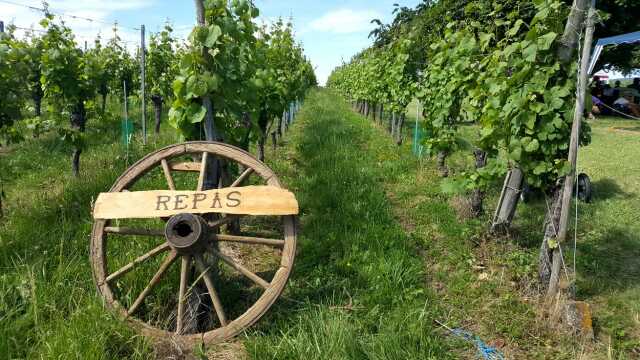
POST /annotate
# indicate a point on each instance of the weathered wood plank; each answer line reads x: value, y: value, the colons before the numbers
x: 249, y: 200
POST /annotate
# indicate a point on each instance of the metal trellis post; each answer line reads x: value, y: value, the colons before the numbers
x: 142, y: 81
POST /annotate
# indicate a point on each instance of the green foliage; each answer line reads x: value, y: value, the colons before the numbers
x: 162, y: 67
x: 122, y: 66
x: 105, y: 62
x: 617, y: 20
x: 219, y: 64
x: 495, y: 64
x: 242, y: 75
x: 12, y: 73
x: 379, y: 75
x: 66, y: 76
x: 526, y: 98
x: 283, y: 73
x: 445, y: 87
x: 32, y: 49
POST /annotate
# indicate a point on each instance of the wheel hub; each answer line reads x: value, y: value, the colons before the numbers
x: 187, y: 233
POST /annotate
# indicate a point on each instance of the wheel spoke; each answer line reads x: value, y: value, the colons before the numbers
x: 225, y: 220
x: 185, y: 166
x: 132, y: 231
x: 203, y: 171
x: 167, y: 174
x: 215, y: 299
x: 242, y: 177
x: 182, y: 295
x: 250, y: 240
x: 243, y: 270
x: 125, y: 269
x: 154, y: 281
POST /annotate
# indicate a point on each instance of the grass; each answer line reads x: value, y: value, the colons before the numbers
x: 48, y: 303
x: 381, y: 252
x: 358, y: 288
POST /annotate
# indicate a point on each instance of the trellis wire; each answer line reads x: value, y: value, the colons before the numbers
x: 63, y: 14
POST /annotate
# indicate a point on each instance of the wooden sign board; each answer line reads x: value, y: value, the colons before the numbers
x: 248, y: 200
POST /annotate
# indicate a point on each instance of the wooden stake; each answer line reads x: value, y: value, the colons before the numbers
x: 569, y: 180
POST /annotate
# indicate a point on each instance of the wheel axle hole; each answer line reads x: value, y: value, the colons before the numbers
x: 183, y: 229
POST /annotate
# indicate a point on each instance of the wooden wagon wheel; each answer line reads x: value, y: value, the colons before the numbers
x: 190, y: 238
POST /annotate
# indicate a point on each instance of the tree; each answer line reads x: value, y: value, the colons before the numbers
x: 618, y: 19
x: 33, y: 62
x: 162, y: 70
x: 68, y: 81
x: 283, y: 75
x: 12, y: 73
x: 106, y: 63
x: 216, y: 68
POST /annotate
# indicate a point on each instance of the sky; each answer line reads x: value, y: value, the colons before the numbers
x: 330, y: 30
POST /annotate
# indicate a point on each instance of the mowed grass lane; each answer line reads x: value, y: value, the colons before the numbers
x: 358, y: 286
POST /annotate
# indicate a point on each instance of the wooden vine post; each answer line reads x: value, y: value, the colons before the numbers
x: 154, y: 295
x: 212, y: 178
x: 569, y: 181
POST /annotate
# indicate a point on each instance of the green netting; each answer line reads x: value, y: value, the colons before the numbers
x: 127, y: 131
x: 418, y: 136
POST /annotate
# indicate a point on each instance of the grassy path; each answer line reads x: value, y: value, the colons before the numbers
x: 358, y: 283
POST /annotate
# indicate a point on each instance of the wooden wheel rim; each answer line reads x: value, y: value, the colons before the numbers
x: 270, y: 294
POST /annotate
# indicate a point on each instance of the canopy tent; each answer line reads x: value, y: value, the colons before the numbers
x: 614, y: 40
x: 611, y: 75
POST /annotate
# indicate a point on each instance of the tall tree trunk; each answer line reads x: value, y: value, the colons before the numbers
x: 442, y: 163
x: 274, y: 140
x: 78, y: 123
x: 399, y: 137
x: 477, y: 196
x: 375, y: 111
x: 157, y: 101
x: 381, y: 117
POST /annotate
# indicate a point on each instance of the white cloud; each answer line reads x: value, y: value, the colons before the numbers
x: 100, y: 11
x: 345, y: 21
